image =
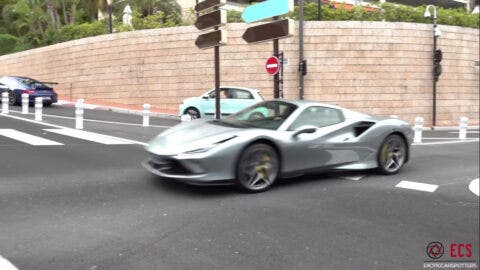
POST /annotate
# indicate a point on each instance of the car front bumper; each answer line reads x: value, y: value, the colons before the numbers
x: 195, y: 170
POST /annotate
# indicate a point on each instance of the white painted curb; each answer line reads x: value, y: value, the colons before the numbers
x: 6, y: 265
x: 474, y: 187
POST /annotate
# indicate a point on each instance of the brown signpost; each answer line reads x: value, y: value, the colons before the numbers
x: 208, y: 19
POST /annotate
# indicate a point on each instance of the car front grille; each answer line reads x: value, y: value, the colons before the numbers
x: 168, y: 166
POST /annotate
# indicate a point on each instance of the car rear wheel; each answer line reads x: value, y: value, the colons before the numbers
x: 257, y: 168
x: 193, y: 112
x: 392, y: 155
x: 12, y: 99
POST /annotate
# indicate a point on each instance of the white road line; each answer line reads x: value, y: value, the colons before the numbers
x: 451, y: 142
x: 417, y: 186
x: 60, y: 127
x: 88, y: 136
x: 95, y: 121
x: 6, y: 265
x: 445, y: 138
x: 26, y: 138
x: 474, y: 187
x: 353, y: 177
x: 468, y: 132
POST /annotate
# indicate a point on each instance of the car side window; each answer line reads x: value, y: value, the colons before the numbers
x: 240, y: 94
x: 318, y: 116
x: 224, y: 93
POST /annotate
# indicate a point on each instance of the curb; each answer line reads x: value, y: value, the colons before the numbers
x: 116, y: 109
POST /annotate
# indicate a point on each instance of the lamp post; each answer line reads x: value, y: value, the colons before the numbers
x: 110, y: 26
x: 436, y: 34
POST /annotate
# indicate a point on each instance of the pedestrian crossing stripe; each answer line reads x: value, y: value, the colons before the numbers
x: 78, y: 134
x: 89, y: 136
x: 26, y: 138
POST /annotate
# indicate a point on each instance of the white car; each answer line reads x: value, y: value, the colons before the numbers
x: 232, y: 100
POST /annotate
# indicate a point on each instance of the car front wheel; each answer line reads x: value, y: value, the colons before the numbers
x: 12, y: 99
x: 392, y: 155
x: 258, y: 168
x: 193, y: 112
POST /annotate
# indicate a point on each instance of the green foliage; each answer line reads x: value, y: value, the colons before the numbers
x: 7, y: 43
x: 157, y: 20
x: 234, y: 16
x: 77, y: 31
x: 392, y: 13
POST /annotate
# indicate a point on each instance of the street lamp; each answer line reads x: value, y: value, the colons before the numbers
x: 110, y: 26
x: 436, y: 57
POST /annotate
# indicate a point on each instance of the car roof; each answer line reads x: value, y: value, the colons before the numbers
x: 305, y: 103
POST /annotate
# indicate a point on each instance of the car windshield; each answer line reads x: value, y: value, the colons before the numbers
x: 267, y: 115
x: 34, y: 84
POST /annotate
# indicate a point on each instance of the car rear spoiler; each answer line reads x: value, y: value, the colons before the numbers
x: 54, y: 83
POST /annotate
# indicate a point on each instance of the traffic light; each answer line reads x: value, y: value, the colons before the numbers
x: 437, y: 67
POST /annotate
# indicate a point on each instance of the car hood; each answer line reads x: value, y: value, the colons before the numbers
x: 189, y: 136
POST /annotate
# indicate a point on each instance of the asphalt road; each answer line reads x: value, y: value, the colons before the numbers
x: 87, y: 205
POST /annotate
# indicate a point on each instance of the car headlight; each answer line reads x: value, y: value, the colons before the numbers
x: 207, y: 148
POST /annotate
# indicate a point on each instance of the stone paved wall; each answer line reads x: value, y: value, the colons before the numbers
x: 374, y: 67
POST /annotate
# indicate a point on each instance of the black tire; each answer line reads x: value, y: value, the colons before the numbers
x: 258, y: 168
x: 392, y: 155
x: 193, y: 112
x: 12, y: 99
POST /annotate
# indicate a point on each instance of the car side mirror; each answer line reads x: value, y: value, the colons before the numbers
x: 303, y: 130
x: 205, y: 97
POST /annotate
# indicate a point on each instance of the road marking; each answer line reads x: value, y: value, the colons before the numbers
x: 6, y: 265
x: 353, y: 177
x: 95, y: 121
x: 468, y: 132
x: 60, y: 127
x: 445, y: 138
x: 26, y: 138
x: 451, y: 142
x: 417, y: 186
x: 88, y: 136
x: 474, y: 187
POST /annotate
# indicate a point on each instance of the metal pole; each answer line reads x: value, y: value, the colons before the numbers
x: 110, y: 26
x: 301, y: 56
x: 276, y: 77
x: 281, y: 74
x: 319, y: 10
x: 217, y: 82
x: 434, y: 116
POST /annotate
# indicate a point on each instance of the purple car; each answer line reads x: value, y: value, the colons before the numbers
x: 16, y: 86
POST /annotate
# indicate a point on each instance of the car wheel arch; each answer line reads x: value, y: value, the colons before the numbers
x: 192, y: 108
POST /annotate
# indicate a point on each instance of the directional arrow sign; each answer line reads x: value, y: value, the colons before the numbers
x: 274, y: 30
x: 211, y: 20
x: 208, y: 4
x: 267, y: 9
x: 212, y: 39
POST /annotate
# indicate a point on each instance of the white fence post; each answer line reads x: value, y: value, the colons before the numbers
x: 418, y: 130
x: 79, y: 113
x: 5, y: 102
x: 25, y: 98
x: 38, y: 108
x: 462, y: 134
x: 146, y: 115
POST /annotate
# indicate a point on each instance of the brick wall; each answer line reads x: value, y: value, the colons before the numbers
x: 374, y: 67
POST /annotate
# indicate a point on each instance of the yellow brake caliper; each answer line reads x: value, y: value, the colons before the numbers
x: 262, y: 168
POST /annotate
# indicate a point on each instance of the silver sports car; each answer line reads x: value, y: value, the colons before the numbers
x: 278, y: 138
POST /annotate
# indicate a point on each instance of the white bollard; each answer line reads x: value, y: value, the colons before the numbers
x: 146, y: 115
x: 25, y: 103
x: 462, y: 134
x: 5, y: 102
x: 79, y: 113
x: 418, y: 130
x: 38, y: 108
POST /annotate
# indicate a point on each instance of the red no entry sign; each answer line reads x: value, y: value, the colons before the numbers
x: 272, y: 65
